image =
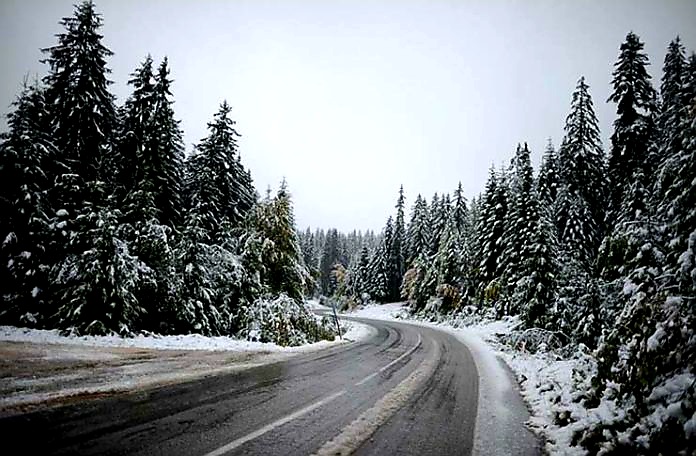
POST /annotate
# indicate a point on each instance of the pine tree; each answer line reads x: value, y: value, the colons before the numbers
x: 274, y: 221
x: 136, y: 137
x: 27, y: 152
x: 82, y: 109
x: 518, y: 237
x: 96, y: 286
x: 378, y: 282
x: 329, y: 257
x: 490, y: 229
x: 674, y: 76
x: 165, y: 171
x: 459, y: 209
x: 418, y: 235
x: 547, y: 183
x: 633, y: 130
x: 645, y: 362
x: 196, y: 311
x: 447, y: 266
x: 439, y: 213
x: 396, y: 251
x: 218, y: 188
x: 580, y: 209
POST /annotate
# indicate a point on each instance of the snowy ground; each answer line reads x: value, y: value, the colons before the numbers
x: 42, y: 368
x: 547, y: 382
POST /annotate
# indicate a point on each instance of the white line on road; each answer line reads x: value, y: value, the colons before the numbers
x: 269, y: 427
x: 371, y: 376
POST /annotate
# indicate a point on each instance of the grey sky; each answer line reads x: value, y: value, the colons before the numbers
x: 350, y: 99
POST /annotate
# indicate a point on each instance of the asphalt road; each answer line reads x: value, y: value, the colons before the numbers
x: 408, y: 390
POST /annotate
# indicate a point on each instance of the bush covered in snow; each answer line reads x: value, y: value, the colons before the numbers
x: 283, y: 321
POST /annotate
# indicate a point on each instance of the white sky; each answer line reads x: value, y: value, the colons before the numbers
x: 350, y: 99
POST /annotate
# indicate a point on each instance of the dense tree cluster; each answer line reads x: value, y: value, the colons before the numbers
x: 599, y: 250
x: 108, y: 227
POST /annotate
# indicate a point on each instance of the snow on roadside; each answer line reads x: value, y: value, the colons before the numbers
x: 356, y: 332
x: 548, y: 383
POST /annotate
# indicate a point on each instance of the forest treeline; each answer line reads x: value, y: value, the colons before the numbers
x: 598, y: 250
x: 109, y: 227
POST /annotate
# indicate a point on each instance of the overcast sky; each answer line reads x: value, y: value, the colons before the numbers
x: 350, y: 99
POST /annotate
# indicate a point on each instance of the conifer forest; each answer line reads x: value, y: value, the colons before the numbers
x: 111, y: 227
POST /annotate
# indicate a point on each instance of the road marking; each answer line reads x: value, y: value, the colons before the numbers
x: 269, y: 427
x: 362, y: 428
x: 371, y: 376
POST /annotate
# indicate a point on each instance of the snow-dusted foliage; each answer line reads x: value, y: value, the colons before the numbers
x: 281, y: 320
x: 108, y: 230
x: 95, y: 288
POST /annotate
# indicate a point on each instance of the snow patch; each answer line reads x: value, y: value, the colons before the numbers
x: 356, y: 332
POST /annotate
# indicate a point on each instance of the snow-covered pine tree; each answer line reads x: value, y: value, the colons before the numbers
x: 470, y: 249
x: 27, y: 154
x: 547, y: 182
x: 218, y: 187
x: 82, y: 108
x: 582, y: 176
x: 396, y: 266
x: 490, y: 229
x: 379, y: 267
x: 418, y: 235
x: 459, y: 209
x: 580, y: 211
x: 135, y: 136
x: 634, y: 229
x: 275, y: 222
x: 518, y: 238
x: 535, y: 291
x: 362, y: 276
x: 95, y: 285
x: 633, y: 129
x: 671, y: 115
x: 196, y: 311
x: 447, y: 267
x: 436, y: 222
x: 646, y: 362
x: 167, y: 166
x: 330, y: 255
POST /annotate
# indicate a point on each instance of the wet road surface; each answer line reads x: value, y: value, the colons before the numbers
x: 407, y: 390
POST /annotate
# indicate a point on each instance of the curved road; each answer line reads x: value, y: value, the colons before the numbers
x: 407, y: 390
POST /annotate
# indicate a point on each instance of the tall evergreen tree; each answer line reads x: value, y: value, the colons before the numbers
x: 547, y: 183
x: 396, y: 263
x: 82, y: 108
x: 582, y: 176
x: 459, y: 209
x: 418, y: 235
x: 378, y: 282
x: 27, y: 153
x: 633, y: 130
x: 518, y: 237
x: 490, y: 228
x: 283, y: 271
x: 447, y: 266
x: 165, y: 171
x: 329, y: 257
x: 218, y: 187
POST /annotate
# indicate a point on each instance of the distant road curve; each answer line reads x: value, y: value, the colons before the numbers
x: 407, y: 390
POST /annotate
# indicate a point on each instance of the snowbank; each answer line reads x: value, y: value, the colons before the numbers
x: 356, y: 332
